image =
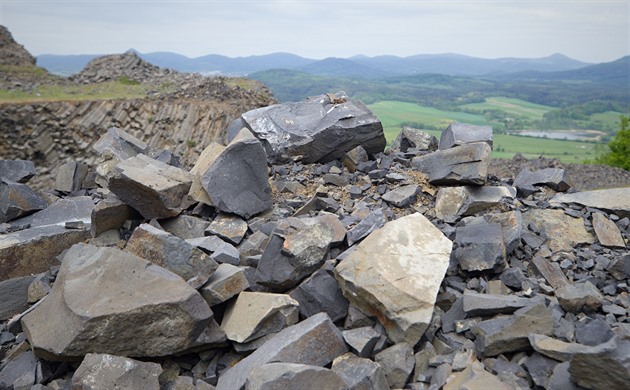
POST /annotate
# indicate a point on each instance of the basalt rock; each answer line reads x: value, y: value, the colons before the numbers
x: 413, y: 139
x: 614, y: 200
x: 103, y: 371
x: 18, y: 200
x: 457, y: 134
x: 20, y: 171
x: 462, y: 165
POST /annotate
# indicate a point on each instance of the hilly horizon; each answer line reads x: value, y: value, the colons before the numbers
x: 357, y: 66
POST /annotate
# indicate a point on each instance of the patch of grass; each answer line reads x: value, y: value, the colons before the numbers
x: 511, y: 106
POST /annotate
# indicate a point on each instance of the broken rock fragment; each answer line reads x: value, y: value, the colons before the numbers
x: 555, y: 178
x: 360, y: 373
x: 454, y: 202
x: 607, y: 232
x: 480, y: 247
x: 70, y: 176
x: 613, y: 200
x: 103, y: 371
x: 18, y: 200
x: 272, y: 376
x: 19, y: 171
x: 457, y: 134
x: 401, y: 291
x: 414, y: 139
x: 462, y: 165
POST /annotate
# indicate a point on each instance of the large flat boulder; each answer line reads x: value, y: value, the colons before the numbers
x: 614, y: 200
x: 457, y: 134
x: 560, y: 231
x: 103, y: 371
x: 462, y: 165
x: 400, y: 291
x: 320, y: 129
x: 108, y: 301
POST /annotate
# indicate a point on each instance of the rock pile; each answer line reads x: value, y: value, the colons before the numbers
x: 11, y: 52
x: 410, y: 268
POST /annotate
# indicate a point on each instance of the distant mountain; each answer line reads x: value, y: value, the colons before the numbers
x: 354, y: 67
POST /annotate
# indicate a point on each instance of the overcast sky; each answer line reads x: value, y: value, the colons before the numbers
x: 591, y: 31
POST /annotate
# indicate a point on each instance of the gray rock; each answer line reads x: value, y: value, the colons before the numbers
x: 475, y: 377
x: 108, y: 301
x: 207, y: 157
x: 397, y: 363
x: 606, y: 366
x: 475, y: 304
x: 511, y: 226
x: 453, y: 202
x: 426, y: 352
x: 226, y: 282
x: 560, y: 231
x: 620, y: 268
x: 104, y: 372
x: 539, y: 368
x: 551, y: 272
x: 359, y: 373
x: 185, y: 226
x: 297, y: 247
x: 480, y: 248
x: 463, y: 165
x: 354, y: 157
x: 457, y: 134
x: 18, y: 200
x: 314, y: 341
x: 272, y: 376
x: 20, y: 372
x: 440, y: 376
x: 401, y: 196
x: 555, y: 178
x: 579, y: 297
x: 320, y: 129
x: 32, y: 251
x: 219, y: 250
x: 39, y: 287
x: 418, y: 256
x: 375, y: 220
x: 607, y: 232
x: 171, y: 252
x: 120, y: 144
x: 70, y: 176
x: 594, y: 332
x: 111, y: 213
x: 361, y: 340
x: 410, y: 138
x: 256, y: 314
x: 501, y: 335
x: 613, y: 200
x: 561, y: 378
x: 237, y: 181
x: 320, y: 292
x: 153, y: 188
x: 19, y: 171
x: 556, y: 349
x: 229, y: 227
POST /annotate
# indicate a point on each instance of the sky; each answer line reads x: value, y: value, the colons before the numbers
x: 591, y: 31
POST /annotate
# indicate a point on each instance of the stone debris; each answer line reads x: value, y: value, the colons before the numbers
x: 19, y: 171
x: 555, y: 178
x: 18, y: 200
x: 70, y: 176
x: 462, y: 165
x: 458, y: 134
x: 427, y: 287
x: 104, y: 371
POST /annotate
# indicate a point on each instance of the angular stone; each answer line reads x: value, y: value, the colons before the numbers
x: 560, y: 231
x: 606, y: 366
x: 314, y: 341
x: 397, y: 363
x: 475, y: 304
x: 452, y: 202
x: 579, y: 297
x: 401, y: 196
x: 475, y: 377
x: 70, y: 176
x: 480, y: 247
x: 18, y: 200
x: 361, y: 340
x: 120, y: 144
x: 39, y: 288
x: 237, y: 181
x: 272, y: 376
x: 554, y: 348
x: 171, y: 252
x: 620, y: 268
x: 204, y: 162
x: 463, y: 165
x: 501, y: 335
x: 551, y: 272
x: 111, y: 213
x: 401, y: 291
x: 613, y: 200
x: 555, y: 178
x: 185, y: 226
x: 539, y: 368
x: 457, y: 134
x: 354, y: 157
x: 511, y: 226
x: 19, y: 171
x: 103, y: 371
x: 594, y: 332
x: 320, y: 292
x: 297, y: 247
x: 321, y: 129
x: 229, y: 227
x: 226, y: 282
x: 20, y: 372
x: 219, y: 250
x: 359, y: 373
x: 255, y: 314
x: 375, y: 220
x: 561, y: 378
x: 32, y: 251
x: 607, y: 232
x: 108, y: 301
x: 410, y: 138
x: 153, y: 188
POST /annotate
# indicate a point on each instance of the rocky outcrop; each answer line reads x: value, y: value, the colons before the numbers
x: 11, y: 52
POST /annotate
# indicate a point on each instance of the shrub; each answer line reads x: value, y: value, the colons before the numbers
x: 619, y: 155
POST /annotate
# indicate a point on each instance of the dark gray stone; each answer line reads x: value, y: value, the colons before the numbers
x: 578, y: 297
x: 320, y: 292
x: 227, y: 281
x: 237, y: 181
x: 401, y: 196
x: 555, y: 178
x: 457, y: 134
x: 20, y: 171
x: 19, y: 373
x: 354, y: 157
x: 375, y: 220
x: 606, y: 366
x: 70, y: 176
x: 463, y: 165
x: 359, y: 373
x: 229, y: 227
x: 612, y: 200
x: 14, y: 293
x: 18, y: 200
x: 219, y: 250
x: 480, y: 247
x: 314, y: 341
x: 594, y: 332
x: 103, y: 371
x: 511, y: 223
x: 397, y: 363
x: 273, y: 376
x: 561, y: 378
x: 361, y: 340
x: 120, y: 144
x: 454, y: 202
x: 185, y: 226
x: 321, y: 129
x: 111, y: 213
x: 540, y: 368
x: 488, y: 304
x: 410, y: 138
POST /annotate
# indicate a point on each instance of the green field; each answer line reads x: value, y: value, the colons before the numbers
x: 392, y: 114
x: 516, y: 107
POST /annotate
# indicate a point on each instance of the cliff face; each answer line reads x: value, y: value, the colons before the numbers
x: 12, y: 53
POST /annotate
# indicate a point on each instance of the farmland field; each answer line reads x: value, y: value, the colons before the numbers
x: 516, y: 107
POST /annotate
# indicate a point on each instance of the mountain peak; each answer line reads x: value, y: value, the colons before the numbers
x: 11, y: 52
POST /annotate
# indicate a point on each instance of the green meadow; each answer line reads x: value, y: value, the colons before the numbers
x: 394, y: 114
